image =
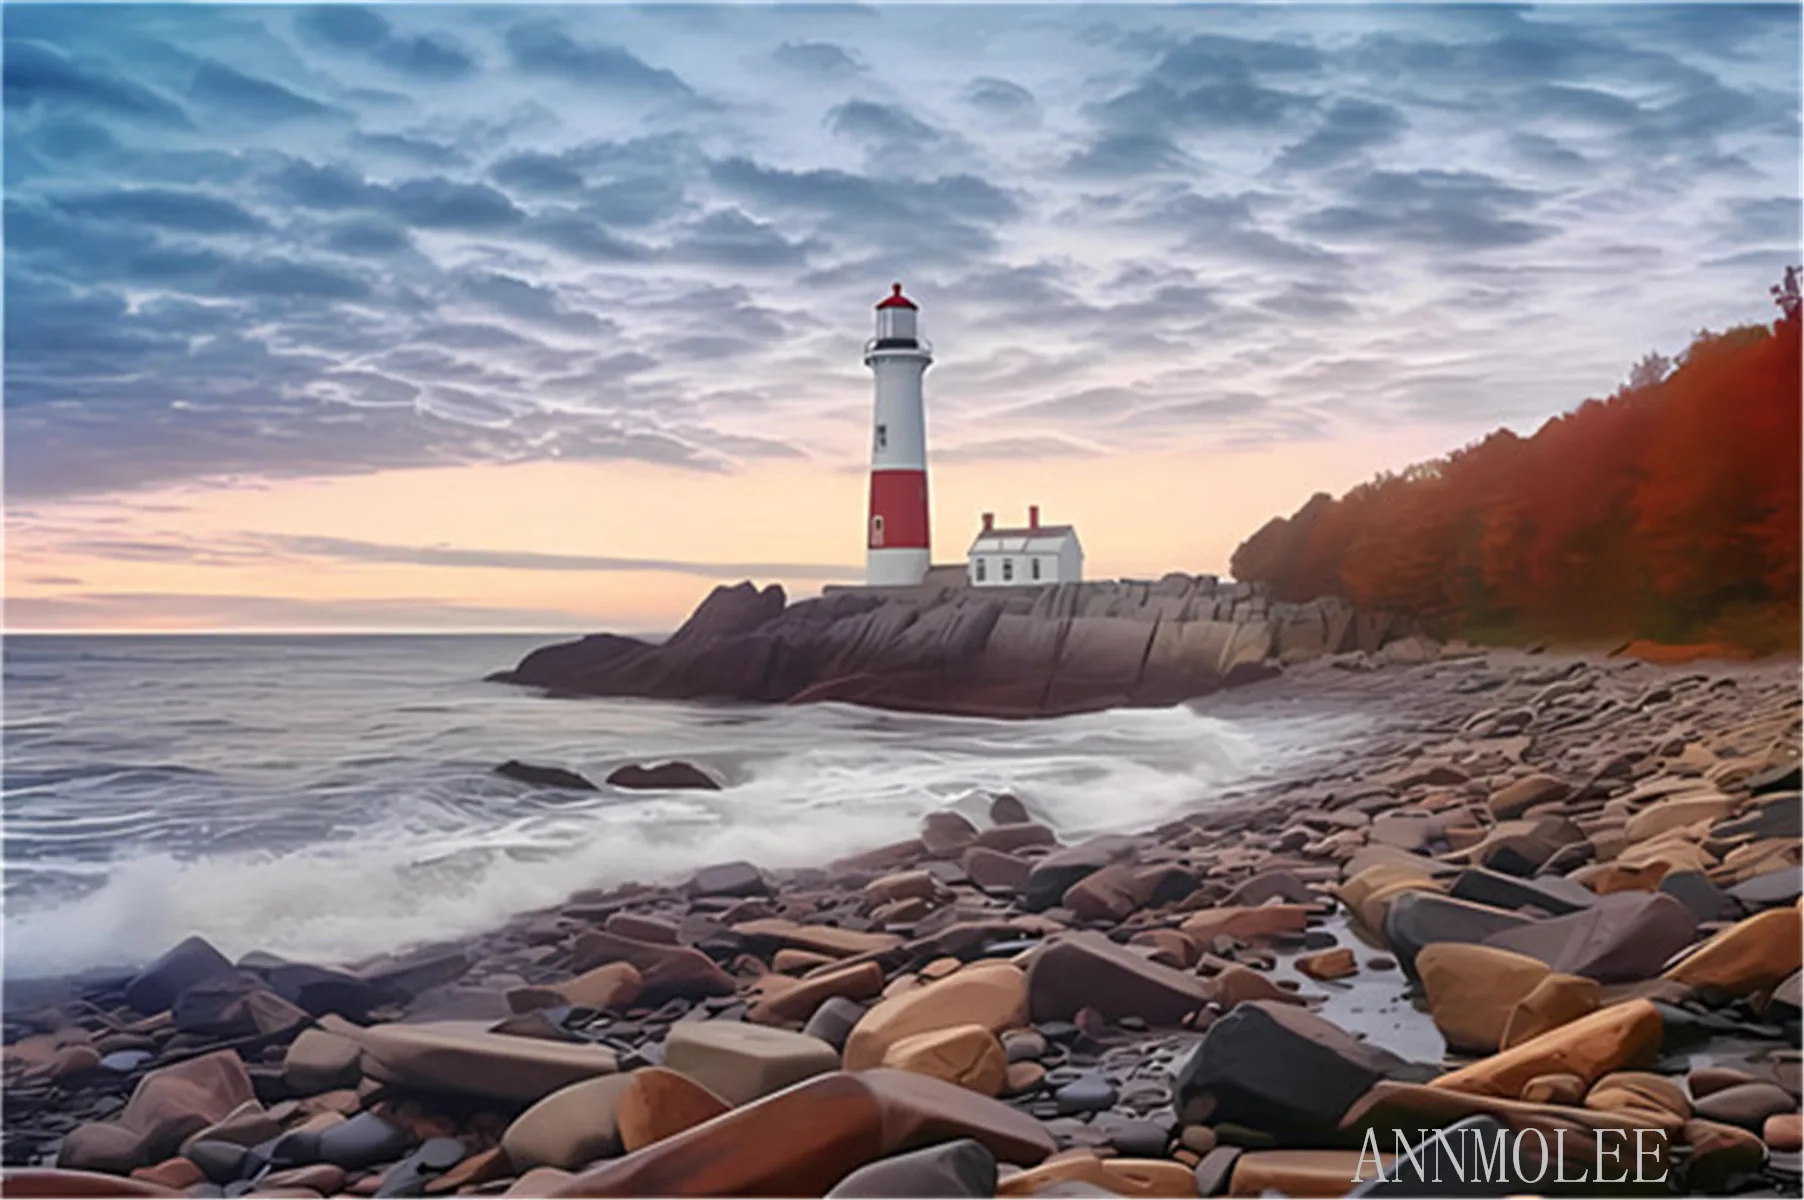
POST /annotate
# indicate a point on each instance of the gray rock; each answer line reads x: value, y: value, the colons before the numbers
x: 961, y: 1168
x: 1624, y: 937
x: 157, y: 987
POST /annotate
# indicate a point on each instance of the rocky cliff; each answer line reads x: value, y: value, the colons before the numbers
x: 952, y: 649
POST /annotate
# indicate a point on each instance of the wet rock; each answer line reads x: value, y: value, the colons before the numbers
x: 189, y: 964
x: 1089, y: 1093
x: 1473, y: 989
x: 798, y: 1002
x: 1216, y: 1168
x: 1784, y: 1132
x: 1747, y: 1105
x: 101, y: 1147
x: 1637, y: 1091
x: 1301, y: 1172
x: 401, y: 978
x: 834, y: 1021
x: 539, y: 776
x: 247, y: 1125
x: 740, y: 1062
x: 968, y: 1055
x: 612, y: 985
x: 1623, y: 937
x: 662, y: 1103
x: 1611, y: 1039
x: 1416, y: 919
x: 321, y: 990
x: 1329, y: 964
x: 1110, y: 895
x: 1552, y: 895
x: 1280, y: 1069
x: 569, y: 1128
x: 1245, y: 924
x: 322, y: 1178
x: 961, y: 1168
x: 1770, y: 889
x: 1718, y: 1154
x: 1008, y: 810
x: 822, y: 939
x: 1696, y: 892
x: 222, y: 1162
x: 993, y: 995
x: 363, y: 1141
x: 728, y: 879
x: 1087, y: 1175
x: 1748, y: 957
x: 664, y: 777
x: 468, y: 1060
x: 995, y: 871
x: 806, y: 1139
x: 1087, y: 970
x: 318, y: 1061
x: 1555, y: 1001
x: 946, y: 833
x: 1523, y: 847
x: 1554, y: 1089
x: 1053, y: 875
x: 666, y: 972
x: 176, y: 1173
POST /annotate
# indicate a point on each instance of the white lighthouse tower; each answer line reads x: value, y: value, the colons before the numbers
x: 896, y: 535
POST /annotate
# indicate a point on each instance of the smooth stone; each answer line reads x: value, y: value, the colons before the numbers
x: 1416, y: 919
x: 1624, y: 937
x: 834, y: 1021
x: 1750, y: 956
x: 1555, y: 1001
x: 1620, y: 1036
x: 570, y: 1128
x: 968, y: 1055
x: 1472, y: 990
x: 664, y: 776
x: 1718, y: 1154
x: 740, y: 1062
x: 661, y: 1103
x: 993, y: 995
x: 1747, y: 1105
x: 960, y: 1168
x: 363, y: 1141
x: 467, y: 1059
x: 191, y: 962
x: 1086, y: 970
x: 1092, y: 1093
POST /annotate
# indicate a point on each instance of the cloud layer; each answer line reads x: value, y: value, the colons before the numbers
x: 266, y: 241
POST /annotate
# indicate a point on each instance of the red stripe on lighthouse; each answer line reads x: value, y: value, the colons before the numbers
x: 898, y: 510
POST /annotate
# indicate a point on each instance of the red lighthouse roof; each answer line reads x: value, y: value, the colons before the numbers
x: 896, y: 299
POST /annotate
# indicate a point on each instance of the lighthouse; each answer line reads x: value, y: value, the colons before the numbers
x: 896, y: 541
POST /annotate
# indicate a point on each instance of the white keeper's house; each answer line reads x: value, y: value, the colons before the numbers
x: 1026, y: 556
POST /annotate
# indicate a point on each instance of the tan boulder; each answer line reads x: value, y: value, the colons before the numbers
x: 1473, y: 989
x: 904, y: 885
x: 740, y: 1062
x: 465, y: 1058
x: 1608, y: 878
x: 1370, y: 892
x: 1625, y: 1091
x: 612, y: 985
x: 1301, y: 1172
x: 661, y: 1103
x: 822, y: 939
x: 993, y: 995
x: 1750, y: 956
x: 1337, y: 963
x: 804, y: 1140
x: 1607, y: 1040
x: 1246, y: 924
x: 1116, y: 1176
x: 1676, y: 812
x: 1235, y: 983
x: 791, y: 961
x: 968, y: 1055
x: 1555, y: 1001
x: 1554, y: 1089
x: 797, y: 1002
x: 570, y: 1128
x: 1513, y: 799
x: 1784, y: 1131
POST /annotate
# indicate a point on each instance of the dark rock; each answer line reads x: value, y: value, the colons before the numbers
x: 1089, y: 1093
x: 1008, y: 810
x: 322, y: 990
x: 946, y: 833
x: 410, y: 1176
x: 994, y: 871
x: 401, y: 978
x: 362, y: 1141
x: 1140, y: 1139
x: 538, y: 776
x: 728, y: 879
x: 961, y: 1168
x: 1780, y: 816
x: 156, y: 987
x: 1770, y: 890
x: 1213, y: 1172
x: 222, y: 1162
x: 664, y: 776
x: 832, y: 1022
x: 1552, y: 894
x: 1624, y: 937
x: 1417, y: 919
x: 1277, y: 1068
x: 1696, y: 892
x: 1086, y: 970
x: 1054, y: 874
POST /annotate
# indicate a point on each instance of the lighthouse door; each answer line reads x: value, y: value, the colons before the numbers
x: 877, y: 530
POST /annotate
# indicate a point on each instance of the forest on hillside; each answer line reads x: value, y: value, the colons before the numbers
x: 1667, y: 512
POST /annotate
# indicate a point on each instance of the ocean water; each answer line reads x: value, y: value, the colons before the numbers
x: 333, y: 798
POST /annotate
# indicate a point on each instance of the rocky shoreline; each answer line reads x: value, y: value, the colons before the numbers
x: 947, y: 648
x: 1539, y: 895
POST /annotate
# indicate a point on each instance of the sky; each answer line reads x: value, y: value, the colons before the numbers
x: 459, y: 317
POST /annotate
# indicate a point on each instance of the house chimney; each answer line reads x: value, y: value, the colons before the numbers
x: 1033, y: 516
x: 989, y: 522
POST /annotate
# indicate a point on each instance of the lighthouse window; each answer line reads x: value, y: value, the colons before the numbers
x: 1008, y: 569
x: 1036, y: 563
x: 883, y: 437
x: 980, y: 570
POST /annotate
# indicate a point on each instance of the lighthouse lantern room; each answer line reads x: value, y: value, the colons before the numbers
x: 896, y: 535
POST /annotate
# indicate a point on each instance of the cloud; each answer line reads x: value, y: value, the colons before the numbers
x: 1118, y: 155
x: 1347, y: 130
x: 1002, y: 449
x: 1003, y: 99
x: 165, y: 208
x: 219, y: 86
x: 454, y: 557
x: 541, y: 48
x: 817, y: 58
x: 40, y: 75
x: 224, y: 610
x: 1458, y: 210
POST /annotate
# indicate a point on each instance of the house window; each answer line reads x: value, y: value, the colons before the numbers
x: 883, y: 437
x: 978, y: 565
x: 877, y: 530
x: 1036, y: 563
x: 1008, y: 569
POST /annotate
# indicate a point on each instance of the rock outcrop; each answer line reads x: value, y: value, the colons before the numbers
x: 1002, y: 652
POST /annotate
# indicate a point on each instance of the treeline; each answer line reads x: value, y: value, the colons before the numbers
x: 1668, y: 512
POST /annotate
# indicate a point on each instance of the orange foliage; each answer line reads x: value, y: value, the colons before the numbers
x: 1669, y: 512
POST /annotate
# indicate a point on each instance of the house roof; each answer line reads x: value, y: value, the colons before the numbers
x: 1021, y: 541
